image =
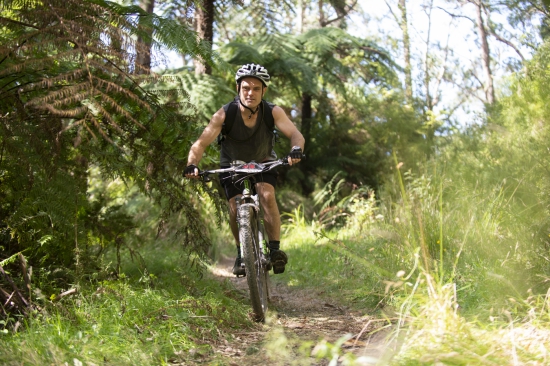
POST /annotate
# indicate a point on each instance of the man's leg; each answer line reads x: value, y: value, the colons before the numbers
x: 232, y: 191
x: 237, y: 269
x: 272, y: 220
x: 233, y: 219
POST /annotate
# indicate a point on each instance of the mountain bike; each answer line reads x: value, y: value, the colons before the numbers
x: 252, y: 235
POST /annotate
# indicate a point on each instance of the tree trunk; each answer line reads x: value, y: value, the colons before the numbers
x: 307, y: 115
x: 204, y: 25
x: 143, y: 57
x: 427, y: 76
x: 322, y: 23
x: 301, y: 18
x: 485, y: 55
x: 406, y: 50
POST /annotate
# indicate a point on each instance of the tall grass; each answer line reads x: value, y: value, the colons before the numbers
x: 154, y: 315
x: 436, y: 257
x: 451, y: 257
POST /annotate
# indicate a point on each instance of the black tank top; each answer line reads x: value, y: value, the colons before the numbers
x: 248, y: 144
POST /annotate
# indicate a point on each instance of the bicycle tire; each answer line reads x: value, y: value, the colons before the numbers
x: 256, y: 273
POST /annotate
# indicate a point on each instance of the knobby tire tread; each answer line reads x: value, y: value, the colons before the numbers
x: 256, y: 276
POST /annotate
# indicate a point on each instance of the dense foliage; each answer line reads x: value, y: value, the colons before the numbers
x: 412, y: 212
x: 73, y: 98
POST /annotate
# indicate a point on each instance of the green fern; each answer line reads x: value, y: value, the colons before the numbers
x: 72, y: 96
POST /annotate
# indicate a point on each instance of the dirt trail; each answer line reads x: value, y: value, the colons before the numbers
x: 298, y: 316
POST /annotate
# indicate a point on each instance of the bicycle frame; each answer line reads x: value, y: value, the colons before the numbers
x: 252, y: 236
x: 248, y: 170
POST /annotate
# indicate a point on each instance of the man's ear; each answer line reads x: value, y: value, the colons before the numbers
x: 264, y: 89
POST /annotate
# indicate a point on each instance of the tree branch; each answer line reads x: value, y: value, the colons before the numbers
x: 392, y: 12
x: 343, y: 15
x: 66, y: 293
x: 471, y: 93
x: 508, y: 43
x: 492, y: 32
x: 4, y: 19
x: 455, y: 15
x: 26, y: 274
x: 15, y: 288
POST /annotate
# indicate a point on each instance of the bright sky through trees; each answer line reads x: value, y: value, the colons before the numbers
x: 449, y: 39
x: 457, y: 33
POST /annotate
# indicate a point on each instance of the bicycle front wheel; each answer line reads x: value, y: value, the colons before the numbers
x: 256, y: 273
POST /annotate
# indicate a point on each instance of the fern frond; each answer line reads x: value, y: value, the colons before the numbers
x: 73, y: 96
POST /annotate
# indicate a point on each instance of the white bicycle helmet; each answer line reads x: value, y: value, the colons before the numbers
x: 253, y: 70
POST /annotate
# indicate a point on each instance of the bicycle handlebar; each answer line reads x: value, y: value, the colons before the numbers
x: 251, y: 168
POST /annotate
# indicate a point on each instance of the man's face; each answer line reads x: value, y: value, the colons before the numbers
x: 252, y: 91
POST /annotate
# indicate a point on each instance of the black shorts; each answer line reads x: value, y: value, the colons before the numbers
x: 233, y: 189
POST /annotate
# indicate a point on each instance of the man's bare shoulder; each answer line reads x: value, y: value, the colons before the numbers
x: 218, y: 117
x: 213, y: 128
x: 279, y: 115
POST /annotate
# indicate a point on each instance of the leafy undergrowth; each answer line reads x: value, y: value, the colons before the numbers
x: 444, y: 307
x: 430, y: 326
x: 432, y: 330
x: 348, y: 264
x: 161, y: 315
x: 420, y: 265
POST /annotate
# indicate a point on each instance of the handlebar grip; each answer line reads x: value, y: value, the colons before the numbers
x: 205, y: 176
x: 285, y: 159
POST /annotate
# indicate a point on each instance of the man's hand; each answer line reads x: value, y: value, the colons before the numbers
x: 191, y: 171
x: 295, y: 155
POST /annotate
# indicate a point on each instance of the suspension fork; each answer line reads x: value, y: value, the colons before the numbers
x: 242, y: 200
x: 262, y: 242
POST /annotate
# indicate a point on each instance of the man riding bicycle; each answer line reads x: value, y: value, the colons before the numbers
x: 250, y: 138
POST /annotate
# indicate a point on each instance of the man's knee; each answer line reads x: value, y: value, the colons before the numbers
x: 266, y: 191
x: 269, y: 203
x: 268, y: 195
x: 232, y: 206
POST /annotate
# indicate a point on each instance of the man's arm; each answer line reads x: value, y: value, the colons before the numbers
x: 285, y: 125
x: 211, y: 131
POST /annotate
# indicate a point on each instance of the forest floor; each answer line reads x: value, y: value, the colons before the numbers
x: 300, y: 322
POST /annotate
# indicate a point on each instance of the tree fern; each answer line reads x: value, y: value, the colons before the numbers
x: 72, y: 96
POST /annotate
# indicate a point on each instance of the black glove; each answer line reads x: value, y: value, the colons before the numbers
x: 190, y: 170
x: 296, y: 153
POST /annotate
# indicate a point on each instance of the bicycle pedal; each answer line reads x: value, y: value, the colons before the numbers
x: 279, y: 260
x: 238, y: 270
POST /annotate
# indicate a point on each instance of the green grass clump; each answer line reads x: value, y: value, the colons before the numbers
x: 346, y: 263
x: 432, y: 330
x: 155, y: 316
x: 455, y: 259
